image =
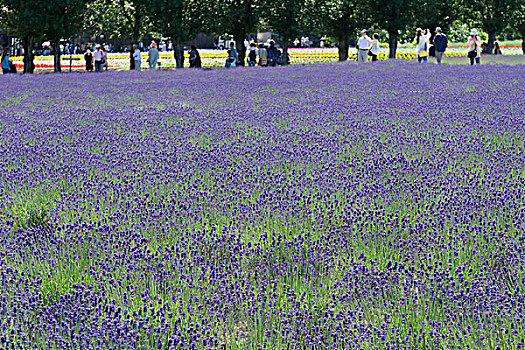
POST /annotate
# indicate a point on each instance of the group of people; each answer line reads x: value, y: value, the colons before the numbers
x: 136, y: 57
x: 8, y: 66
x: 367, y: 46
x: 98, y: 59
x: 440, y: 42
x: 262, y: 54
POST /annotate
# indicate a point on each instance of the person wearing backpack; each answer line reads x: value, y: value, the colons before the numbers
x: 252, y: 55
x: 195, y: 57
x: 233, y: 56
x: 440, y: 43
x: 422, y: 44
x: 474, y: 47
x: 272, y: 54
x: 263, y: 55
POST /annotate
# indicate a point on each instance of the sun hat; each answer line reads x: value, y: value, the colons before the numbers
x: 364, y: 31
x: 473, y: 32
x: 438, y: 29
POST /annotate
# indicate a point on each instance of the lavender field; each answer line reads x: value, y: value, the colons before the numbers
x: 330, y: 206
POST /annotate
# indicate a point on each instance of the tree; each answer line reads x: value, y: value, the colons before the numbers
x: 238, y: 18
x: 62, y: 19
x: 393, y: 16
x: 180, y: 20
x: 491, y: 15
x: 24, y: 19
x: 517, y: 22
x: 339, y: 19
x: 119, y: 18
x: 437, y: 13
x: 284, y: 17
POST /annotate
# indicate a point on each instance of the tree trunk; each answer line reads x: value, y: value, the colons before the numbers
x: 523, y: 43
x: 342, y: 49
x: 491, y: 42
x: 241, y: 49
x: 27, y: 44
x: 392, y: 43
x: 57, y: 63
x: 178, y: 53
x: 284, y: 59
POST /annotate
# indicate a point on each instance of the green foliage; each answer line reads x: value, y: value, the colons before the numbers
x: 32, y: 214
x: 63, y: 18
x: 119, y: 19
x: 340, y: 20
x: 517, y: 20
x: 31, y: 210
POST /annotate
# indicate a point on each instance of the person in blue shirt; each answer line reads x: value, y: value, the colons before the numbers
x: 5, y: 61
x: 440, y: 43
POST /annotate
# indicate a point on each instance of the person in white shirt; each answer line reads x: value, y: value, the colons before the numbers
x: 374, y: 47
x: 474, y: 47
x: 422, y: 44
x: 98, y: 56
x: 136, y: 57
x: 363, y: 46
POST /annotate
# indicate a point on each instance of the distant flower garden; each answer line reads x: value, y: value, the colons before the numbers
x: 216, y: 58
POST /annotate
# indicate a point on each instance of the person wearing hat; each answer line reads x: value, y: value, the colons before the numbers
x: 136, y: 57
x: 422, y: 37
x: 88, y: 57
x: 440, y: 43
x: 363, y: 46
x: 153, y: 56
x: 474, y: 47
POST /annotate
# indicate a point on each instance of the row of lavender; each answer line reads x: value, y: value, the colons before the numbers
x: 327, y: 207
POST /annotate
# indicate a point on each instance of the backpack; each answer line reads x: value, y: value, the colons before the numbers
x: 252, y: 55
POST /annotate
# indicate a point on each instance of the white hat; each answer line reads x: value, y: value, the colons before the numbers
x: 364, y: 31
x: 473, y: 32
x: 438, y: 29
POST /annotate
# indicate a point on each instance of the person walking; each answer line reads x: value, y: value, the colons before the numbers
x: 131, y: 59
x: 422, y: 44
x: 136, y: 57
x: 5, y: 61
x: 272, y: 54
x: 104, y: 58
x: 252, y: 55
x: 153, y: 56
x: 88, y: 57
x: 233, y: 56
x: 474, y: 47
x: 440, y: 43
x: 497, y: 50
x: 195, y: 57
x: 374, y: 47
x: 363, y: 46
x: 263, y: 55
x: 98, y: 59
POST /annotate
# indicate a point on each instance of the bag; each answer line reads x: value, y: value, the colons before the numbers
x: 473, y: 53
x: 423, y: 52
